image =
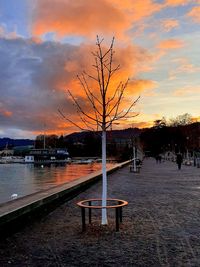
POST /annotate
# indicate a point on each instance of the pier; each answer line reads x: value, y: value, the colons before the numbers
x: 161, y: 224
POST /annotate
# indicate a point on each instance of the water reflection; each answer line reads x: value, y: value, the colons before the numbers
x: 25, y: 179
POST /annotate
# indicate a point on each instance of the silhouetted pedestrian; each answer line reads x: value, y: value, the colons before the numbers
x: 158, y: 158
x: 179, y: 160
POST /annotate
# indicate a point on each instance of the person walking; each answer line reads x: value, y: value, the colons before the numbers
x: 179, y: 160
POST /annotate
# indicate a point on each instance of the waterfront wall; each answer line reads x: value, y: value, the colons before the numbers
x: 15, y: 214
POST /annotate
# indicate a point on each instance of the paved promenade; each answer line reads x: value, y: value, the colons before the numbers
x: 161, y: 225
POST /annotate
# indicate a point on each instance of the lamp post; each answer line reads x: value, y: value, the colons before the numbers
x: 44, y: 140
x: 134, y: 154
x: 187, y: 154
x: 134, y: 157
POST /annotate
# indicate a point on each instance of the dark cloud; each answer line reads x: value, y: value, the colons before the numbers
x: 31, y: 74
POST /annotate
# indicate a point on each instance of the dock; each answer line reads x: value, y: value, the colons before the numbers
x: 161, y: 224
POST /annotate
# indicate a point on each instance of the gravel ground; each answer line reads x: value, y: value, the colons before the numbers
x: 161, y: 225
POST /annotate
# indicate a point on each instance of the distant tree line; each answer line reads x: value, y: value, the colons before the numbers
x: 177, y: 134
x: 179, y: 120
x: 88, y: 144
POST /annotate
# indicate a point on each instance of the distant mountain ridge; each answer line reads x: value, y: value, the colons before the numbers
x: 5, y: 141
x: 125, y: 133
x: 76, y: 136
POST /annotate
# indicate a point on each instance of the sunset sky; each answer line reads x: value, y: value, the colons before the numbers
x: 44, y: 44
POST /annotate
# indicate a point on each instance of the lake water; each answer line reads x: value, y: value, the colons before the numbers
x: 25, y: 179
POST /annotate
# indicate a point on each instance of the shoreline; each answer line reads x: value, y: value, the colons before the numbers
x: 19, y: 211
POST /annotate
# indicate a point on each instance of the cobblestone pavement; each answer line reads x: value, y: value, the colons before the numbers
x: 161, y: 225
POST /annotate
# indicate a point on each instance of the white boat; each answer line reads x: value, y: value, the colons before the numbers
x: 11, y: 159
x: 56, y: 155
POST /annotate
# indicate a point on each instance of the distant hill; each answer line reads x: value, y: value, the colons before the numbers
x: 15, y: 142
x: 74, y: 137
x: 126, y: 133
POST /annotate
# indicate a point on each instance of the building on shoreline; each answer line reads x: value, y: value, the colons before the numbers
x: 47, y: 155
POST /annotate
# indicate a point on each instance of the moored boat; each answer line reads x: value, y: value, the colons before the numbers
x: 41, y: 156
x: 11, y: 159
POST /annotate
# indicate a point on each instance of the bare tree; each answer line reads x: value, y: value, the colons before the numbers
x: 181, y: 120
x: 104, y: 103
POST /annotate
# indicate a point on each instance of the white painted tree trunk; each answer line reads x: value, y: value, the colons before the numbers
x: 104, y: 185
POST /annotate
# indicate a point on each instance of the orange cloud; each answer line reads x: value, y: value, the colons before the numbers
x: 78, y: 18
x: 177, y: 2
x: 195, y: 14
x: 142, y: 9
x: 142, y: 85
x: 171, y: 44
x: 170, y: 24
x: 88, y: 18
x: 132, y: 61
x: 134, y: 58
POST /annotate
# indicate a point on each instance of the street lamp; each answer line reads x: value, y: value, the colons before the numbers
x: 134, y: 154
x: 187, y: 154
